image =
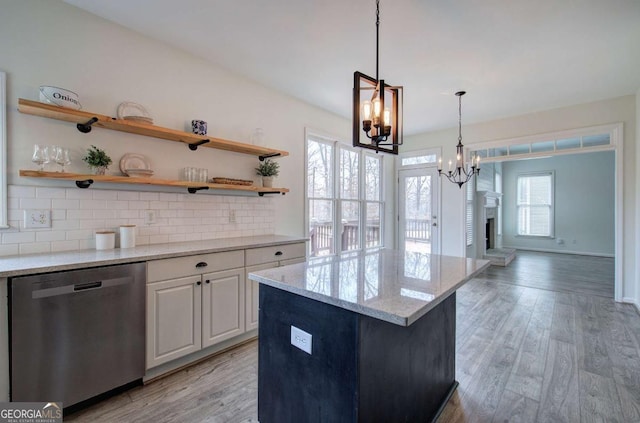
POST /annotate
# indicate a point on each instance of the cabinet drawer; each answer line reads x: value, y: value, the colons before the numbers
x: 276, y: 253
x: 158, y: 270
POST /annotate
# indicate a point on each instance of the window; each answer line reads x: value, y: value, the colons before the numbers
x: 344, y: 197
x: 535, y: 204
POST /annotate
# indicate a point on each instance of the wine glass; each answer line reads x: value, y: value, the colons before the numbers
x: 40, y: 155
x: 62, y: 157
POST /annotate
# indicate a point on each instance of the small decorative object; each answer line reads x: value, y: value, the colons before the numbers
x: 97, y: 160
x: 40, y: 155
x: 268, y: 169
x: 127, y: 236
x: 59, y: 97
x: 199, y: 127
x: 105, y: 240
x: 134, y: 112
x: 62, y: 157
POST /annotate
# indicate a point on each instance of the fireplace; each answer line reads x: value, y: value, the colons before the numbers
x: 487, y: 229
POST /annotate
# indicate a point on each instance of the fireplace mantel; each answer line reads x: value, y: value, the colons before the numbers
x: 489, y: 198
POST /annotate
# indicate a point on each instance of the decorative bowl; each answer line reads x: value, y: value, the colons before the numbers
x: 59, y: 97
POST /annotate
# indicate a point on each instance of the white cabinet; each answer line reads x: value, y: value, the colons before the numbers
x: 266, y: 258
x: 222, y: 306
x: 173, y: 319
x: 186, y: 314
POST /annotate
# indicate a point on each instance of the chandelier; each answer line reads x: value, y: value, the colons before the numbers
x: 377, y: 121
x: 463, y: 171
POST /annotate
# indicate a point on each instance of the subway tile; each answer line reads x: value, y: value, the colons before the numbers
x: 167, y: 197
x: 93, y: 224
x: 142, y: 240
x: 16, y: 215
x: 138, y: 205
x: 35, y: 247
x: 158, y: 239
x: 64, y: 245
x: 65, y: 224
x: 128, y: 195
x: 65, y: 204
x: 35, y: 203
x: 80, y: 234
x: 9, y: 250
x: 104, y: 214
x: 127, y: 214
x: 100, y: 194
x: 47, y: 192
x: 17, y: 191
x: 119, y: 205
x: 93, y: 204
x: 79, y: 194
x: 176, y: 238
x: 115, y: 223
x: 48, y: 236
x: 13, y: 203
x: 195, y: 236
x: 18, y: 237
x: 148, y: 230
x: 79, y: 214
x: 158, y: 205
x: 149, y: 196
x: 168, y: 213
x: 87, y: 244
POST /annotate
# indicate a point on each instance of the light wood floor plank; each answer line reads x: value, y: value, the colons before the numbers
x: 515, y: 408
x: 560, y: 398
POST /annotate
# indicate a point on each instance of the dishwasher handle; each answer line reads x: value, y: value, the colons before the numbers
x: 87, y: 285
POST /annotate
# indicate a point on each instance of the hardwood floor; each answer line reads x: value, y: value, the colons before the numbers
x: 523, y: 355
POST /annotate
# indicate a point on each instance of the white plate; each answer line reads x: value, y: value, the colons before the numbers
x: 134, y: 161
x: 139, y: 173
x: 129, y: 108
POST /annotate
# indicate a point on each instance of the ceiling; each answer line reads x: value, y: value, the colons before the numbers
x: 511, y: 56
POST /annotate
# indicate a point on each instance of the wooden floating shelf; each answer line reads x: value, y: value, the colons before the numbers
x: 80, y: 117
x: 82, y: 181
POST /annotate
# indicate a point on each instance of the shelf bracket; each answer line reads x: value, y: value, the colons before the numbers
x: 194, y: 145
x: 84, y: 183
x: 85, y: 128
x: 266, y: 156
x: 261, y: 194
x: 193, y: 190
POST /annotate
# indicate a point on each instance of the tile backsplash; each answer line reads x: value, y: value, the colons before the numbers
x: 76, y: 214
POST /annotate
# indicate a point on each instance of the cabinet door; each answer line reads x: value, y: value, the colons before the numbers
x: 293, y: 261
x: 251, y: 295
x: 222, y: 306
x: 173, y: 319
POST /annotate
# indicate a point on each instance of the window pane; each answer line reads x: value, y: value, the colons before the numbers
x: 372, y: 178
x: 350, y: 225
x: 568, y: 143
x: 519, y: 149
x: 408, y: 161
x: 321, y: 227
x: 373, y: 235
x: 319, y: 169
x: 539, y: 147
x: 500, y: 151
x: 594, y: 140
x: 349, y: 174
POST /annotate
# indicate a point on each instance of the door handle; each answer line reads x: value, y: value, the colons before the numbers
x: 207, y: 281
x: 278, y: 253
x: 198, y: 283
x: 434, y: 224
x: 202, y: 264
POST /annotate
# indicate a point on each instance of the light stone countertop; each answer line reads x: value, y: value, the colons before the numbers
x: 385, y: 284
x: 54, y: 262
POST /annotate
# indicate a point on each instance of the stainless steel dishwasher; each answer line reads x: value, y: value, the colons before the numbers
x: 77, y: 334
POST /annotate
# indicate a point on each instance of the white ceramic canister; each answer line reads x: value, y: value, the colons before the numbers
x: 105, y: 240
x: 127, y: 236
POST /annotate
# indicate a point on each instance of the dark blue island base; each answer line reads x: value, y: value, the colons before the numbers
x: 362, y: 369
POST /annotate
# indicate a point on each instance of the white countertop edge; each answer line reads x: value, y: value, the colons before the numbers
x: 11, y: 266
x: 364, y: 310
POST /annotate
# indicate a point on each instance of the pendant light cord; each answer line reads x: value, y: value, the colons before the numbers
x: 377, y: 35
x: 460, y: 119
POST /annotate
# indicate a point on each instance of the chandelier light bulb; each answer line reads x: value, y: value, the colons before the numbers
x: 366, y: 110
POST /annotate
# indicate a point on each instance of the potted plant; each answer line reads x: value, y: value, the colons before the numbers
x: 268, y: 169
x: 97, y: 160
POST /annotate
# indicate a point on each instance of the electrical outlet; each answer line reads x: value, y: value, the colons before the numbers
x: 301, y: 339
x: 232, y: 216
x: 150, y: 217
x: 37, y: 219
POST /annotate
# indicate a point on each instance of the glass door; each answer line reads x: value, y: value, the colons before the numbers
x: 418, y: 219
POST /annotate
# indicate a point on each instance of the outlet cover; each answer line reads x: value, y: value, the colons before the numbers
x: 37, y: 219
x: 301, y: 339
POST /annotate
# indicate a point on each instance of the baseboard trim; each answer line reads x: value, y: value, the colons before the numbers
x: 549, y: 250
x: 633, y: 302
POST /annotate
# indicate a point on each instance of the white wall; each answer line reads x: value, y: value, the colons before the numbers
x: 52, y: 43
x: 636, y: 293
x: 622, y: 109
x: 584, y: 200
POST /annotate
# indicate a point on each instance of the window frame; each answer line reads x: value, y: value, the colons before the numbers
x: 336, y: 195
x: 551, y: 174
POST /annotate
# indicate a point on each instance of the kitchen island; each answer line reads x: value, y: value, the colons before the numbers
x: 361, y: 337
